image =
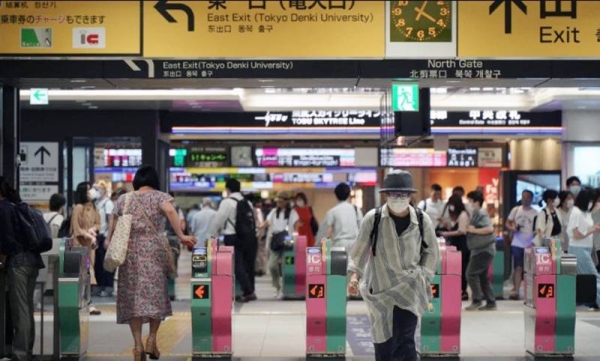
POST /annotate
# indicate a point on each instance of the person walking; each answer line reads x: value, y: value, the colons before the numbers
x: 22, y: 268
x: 482, y: 248
x: 342, y: 222
x: 306, y: 215
x: 105, y: 207
x: 235, y: 219
x: 143, y: 295
x: 55, y: 217
x: 391, y: 264
x: 85, y: 223
x: 201, y: 222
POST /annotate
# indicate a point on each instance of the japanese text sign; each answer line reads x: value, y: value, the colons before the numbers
x: 70, y: 28
x: 264, y: 29
x: 529, y: 29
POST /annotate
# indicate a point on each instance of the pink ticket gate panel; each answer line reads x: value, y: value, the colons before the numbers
x: 326, y: 301
x: 212, y: 288
x: 294, y: 268
x: 550, y: 301
x: 440, y: 325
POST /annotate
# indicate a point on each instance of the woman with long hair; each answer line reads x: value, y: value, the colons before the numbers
x: 548, y: 224
x: 143, y: 295
x: 567, y: 202
x: 455, y: 234
x: 85, y: 223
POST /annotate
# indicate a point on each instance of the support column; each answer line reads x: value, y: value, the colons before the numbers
x: 579, y: 130
x: 9, y: 148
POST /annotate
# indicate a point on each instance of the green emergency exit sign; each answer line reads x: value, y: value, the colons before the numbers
x: 405, y: 97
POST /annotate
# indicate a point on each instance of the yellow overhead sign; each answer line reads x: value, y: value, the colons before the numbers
x: 529, y: 29
x: 264, y: 29
x: 96, y: 28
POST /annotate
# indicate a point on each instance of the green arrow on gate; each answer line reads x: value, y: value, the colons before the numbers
x: 37, y: 95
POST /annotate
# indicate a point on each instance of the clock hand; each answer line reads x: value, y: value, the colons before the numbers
x: 421, y: 12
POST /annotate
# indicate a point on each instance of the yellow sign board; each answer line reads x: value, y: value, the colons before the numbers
x: 96, y: 28
x: 529, y: 29
x: 264, y: 29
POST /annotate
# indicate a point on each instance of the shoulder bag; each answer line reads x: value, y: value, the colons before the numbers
x: 117, y: 249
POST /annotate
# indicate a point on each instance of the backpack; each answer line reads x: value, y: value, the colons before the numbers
x: 245, y: 222
x: 65, y: 228
x: 34, y: 229
x: 375, y: 231
x: 556, y: 222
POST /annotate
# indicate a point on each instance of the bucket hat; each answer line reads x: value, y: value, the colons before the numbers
x: 398, y: 181
x: 284, y: 196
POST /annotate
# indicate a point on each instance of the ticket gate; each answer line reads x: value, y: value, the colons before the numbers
x: 212, y: 288
x: 73, y: 300
x: 440, y: 325
x: 326, y: 301
x: 294, y: 268
x: 496, y: 270
x: 550, y: 301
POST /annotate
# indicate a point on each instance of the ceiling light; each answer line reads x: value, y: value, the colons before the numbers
x: 88, y: 87
x: 488, y: 89
x: 86, y: 104
x: 265, y: 80
x: 78, y: 80
x: 453, y: 81
x: 93, y: 107
x: 474, y: 89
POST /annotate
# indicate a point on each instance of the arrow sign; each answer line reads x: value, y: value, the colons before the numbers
x: 163, y: 7
x: 41, y: 152
x: 201, y: 292
x: 38, y: 96
x: 508, y: 11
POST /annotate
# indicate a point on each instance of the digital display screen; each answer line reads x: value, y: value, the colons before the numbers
x: 316, y: 291
x: 201, y: 292
x: 404, y: 157
x: 305, y: 157
x: 435, y: 290
x: 545, y: 290
x: 462, y: 157
x: 122, y: 158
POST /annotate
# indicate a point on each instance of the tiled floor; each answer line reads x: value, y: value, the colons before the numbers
x: 275, y: 330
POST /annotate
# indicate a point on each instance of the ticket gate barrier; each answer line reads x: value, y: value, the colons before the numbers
x: 73, y: 300
x: 550, y: 306
x: 212, y: 288
x: 326, y: 301
x: 440, y: 325
x: 294, y: 268
x: 496, y: 270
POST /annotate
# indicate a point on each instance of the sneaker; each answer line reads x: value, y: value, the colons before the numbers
x: 488, y: 307
x: 473, y: 307
x: 277, y: 294
x: 594, y: 309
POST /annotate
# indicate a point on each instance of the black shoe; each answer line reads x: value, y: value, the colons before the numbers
x: 259, y: 273
x: 465, y: 296
x: 172, y: 298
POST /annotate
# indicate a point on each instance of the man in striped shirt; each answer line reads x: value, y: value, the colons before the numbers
x: 392, y: 265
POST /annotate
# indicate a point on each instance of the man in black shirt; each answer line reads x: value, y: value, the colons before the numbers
x: 401, y: 223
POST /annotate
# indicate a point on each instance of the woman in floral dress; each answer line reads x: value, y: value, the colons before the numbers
x: 143, y: 295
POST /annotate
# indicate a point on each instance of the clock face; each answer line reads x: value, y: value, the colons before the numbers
x: 421, y: 21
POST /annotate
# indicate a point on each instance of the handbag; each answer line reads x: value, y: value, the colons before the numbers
x: 171, y: 264
x: 278, y: 241
x: 116, y: 254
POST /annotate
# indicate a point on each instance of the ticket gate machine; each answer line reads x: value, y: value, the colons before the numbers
x: 294, y: 268
x: 326, y: 301
x: 550, y: 306
x: 73, y: 300
x: 440, y: 325
x: 496, y: 270
x: 212, y: 288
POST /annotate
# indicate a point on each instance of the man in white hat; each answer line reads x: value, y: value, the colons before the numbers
x: 391, y: 264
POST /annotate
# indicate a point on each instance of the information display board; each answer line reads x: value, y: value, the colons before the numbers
x: 305, y: 157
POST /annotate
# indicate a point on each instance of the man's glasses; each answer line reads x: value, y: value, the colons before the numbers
x: 396, y: 195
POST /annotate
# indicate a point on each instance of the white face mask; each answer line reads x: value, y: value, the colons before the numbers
x: 575, y: 190
x: 570, y: 203
x: 398, y: 205
x: 556, y: 202
x: 451, y: 208
x: 300, y: 203
x: 93, y: 194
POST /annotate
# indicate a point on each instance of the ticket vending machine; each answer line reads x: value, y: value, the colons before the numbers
x: 294, y: 268
x: 73, y: 300
x: 550, y: 278
x: 326, y: 301
x: 212, y: 288
x: 440, y: 325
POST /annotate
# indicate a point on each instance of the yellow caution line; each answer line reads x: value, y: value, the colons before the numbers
x: 170, y: 333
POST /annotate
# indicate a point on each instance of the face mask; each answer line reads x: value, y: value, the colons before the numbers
x: 575, y: 190
x: 292, y: 204
x: 570, y: 203
x: 398, y: 205
x: 300, y: 203
x: 93, y: 194
x: 101, y: 192
x: 451, y: 208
